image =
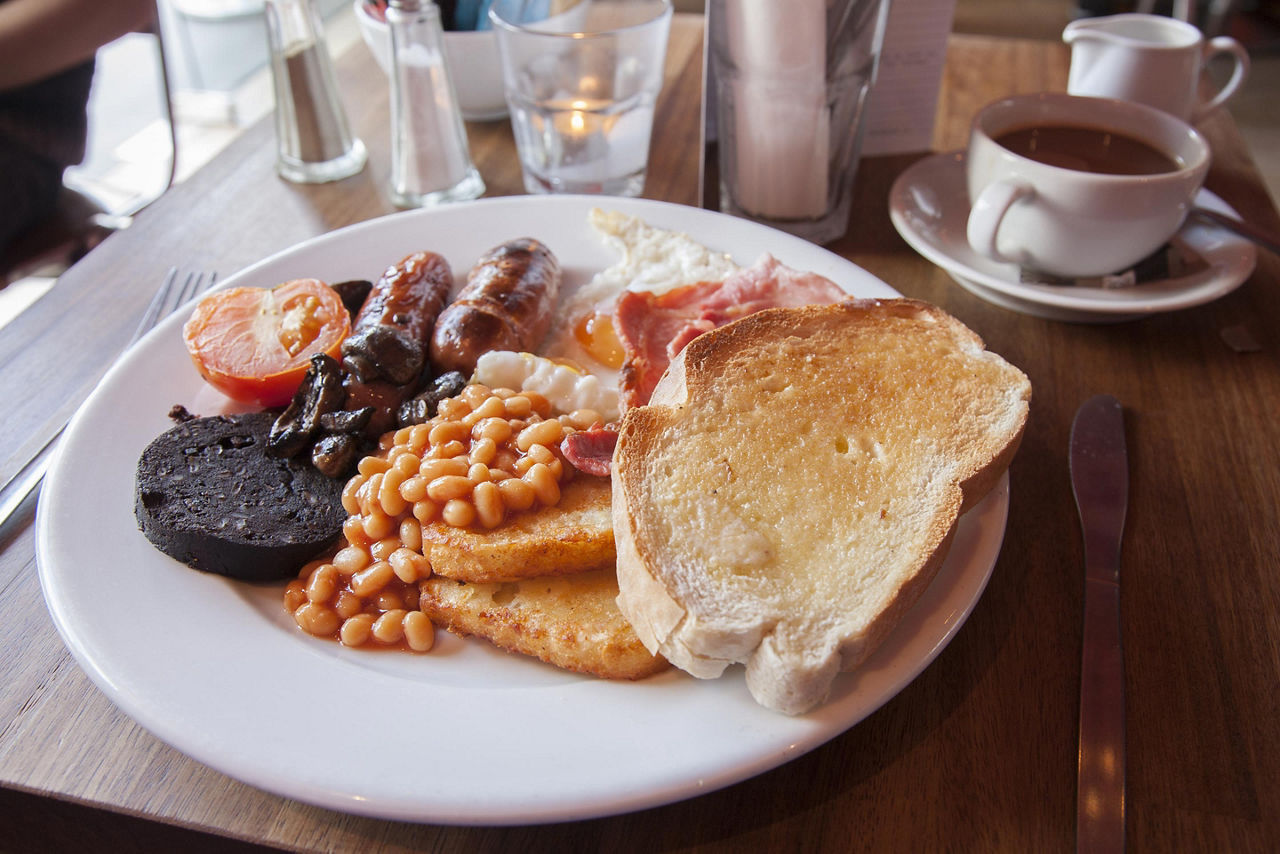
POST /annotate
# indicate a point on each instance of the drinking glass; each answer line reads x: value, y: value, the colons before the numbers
x: 791, y: 82
x: 581, y: 80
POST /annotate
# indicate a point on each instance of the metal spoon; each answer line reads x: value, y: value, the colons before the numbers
x: 1265, y: 239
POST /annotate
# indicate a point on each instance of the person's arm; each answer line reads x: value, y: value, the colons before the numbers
x: 39, y: 38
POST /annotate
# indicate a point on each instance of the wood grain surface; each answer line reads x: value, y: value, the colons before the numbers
x: 976, y: 754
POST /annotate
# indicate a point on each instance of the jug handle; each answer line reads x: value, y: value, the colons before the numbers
x: 988, y: 212
x: 1218, y: 46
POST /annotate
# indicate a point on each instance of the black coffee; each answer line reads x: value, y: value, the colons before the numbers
x: 1087, y: 149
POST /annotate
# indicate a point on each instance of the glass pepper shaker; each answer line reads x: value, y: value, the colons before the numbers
x: 430, y: 162
x: 314, y: 140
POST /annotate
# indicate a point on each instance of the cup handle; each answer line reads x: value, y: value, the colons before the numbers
x: 988, y: 212
x: 1218, y: 46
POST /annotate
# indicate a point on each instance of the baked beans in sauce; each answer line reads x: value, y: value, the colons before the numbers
x: 486, y: 454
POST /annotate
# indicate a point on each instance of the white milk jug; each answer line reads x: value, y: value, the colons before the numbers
x: 1150, y: 59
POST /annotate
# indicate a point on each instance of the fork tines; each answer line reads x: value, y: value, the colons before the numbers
x: 160, y: 306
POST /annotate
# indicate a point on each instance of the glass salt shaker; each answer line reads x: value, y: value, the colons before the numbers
x: 430, y: 162
x: 314, y: 141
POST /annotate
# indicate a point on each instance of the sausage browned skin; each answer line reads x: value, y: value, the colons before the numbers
x: 382, y: 397
x: 392, y: 332
x: 507, y: 304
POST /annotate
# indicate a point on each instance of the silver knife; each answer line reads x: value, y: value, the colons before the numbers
x: 1100, y: 480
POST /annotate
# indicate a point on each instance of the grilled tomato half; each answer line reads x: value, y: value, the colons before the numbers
x: 254, y: 344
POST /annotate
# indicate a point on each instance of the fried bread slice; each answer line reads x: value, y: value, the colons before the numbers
x: 795, y: 482
x: 575, y: 535
x: 571, y: 621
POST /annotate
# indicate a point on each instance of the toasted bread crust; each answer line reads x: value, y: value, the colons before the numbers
x: 571, y: 622
x: 575, y: 535
x: 825, y: 455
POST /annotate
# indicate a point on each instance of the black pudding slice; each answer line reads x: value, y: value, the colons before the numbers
x: 208, y: 495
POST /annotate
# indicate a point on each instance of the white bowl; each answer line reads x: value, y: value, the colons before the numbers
x: 473, y: 62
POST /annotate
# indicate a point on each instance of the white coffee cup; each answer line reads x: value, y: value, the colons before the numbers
x: 1068, y: 221
x: 1151, y: 59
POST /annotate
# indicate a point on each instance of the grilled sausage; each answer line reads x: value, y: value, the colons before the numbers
x: 392, y: 332
x: 382, y: 397
x: 506, y: 304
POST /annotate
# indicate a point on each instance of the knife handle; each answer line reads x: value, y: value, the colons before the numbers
x: 1100, y: 786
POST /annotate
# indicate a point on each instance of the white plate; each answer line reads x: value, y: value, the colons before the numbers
x: 465, y: 734
x: 929, y: 205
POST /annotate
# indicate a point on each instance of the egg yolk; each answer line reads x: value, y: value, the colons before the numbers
x: 598, y: 337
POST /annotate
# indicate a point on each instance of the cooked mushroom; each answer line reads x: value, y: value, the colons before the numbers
x: 422, y: 407
x: 321, y: 392
x: 335, y: 454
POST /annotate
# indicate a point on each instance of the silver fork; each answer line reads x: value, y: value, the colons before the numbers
x: 171, y: 295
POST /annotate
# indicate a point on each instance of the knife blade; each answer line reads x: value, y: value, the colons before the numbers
x: 1100, y: 481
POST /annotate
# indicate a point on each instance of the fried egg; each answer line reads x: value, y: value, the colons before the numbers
x: 651, y: 259
x: 567, y: 388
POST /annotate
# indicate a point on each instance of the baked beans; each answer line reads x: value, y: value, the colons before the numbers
x: 481, y: 436
x: 488, y: 453
x: 360, y: 600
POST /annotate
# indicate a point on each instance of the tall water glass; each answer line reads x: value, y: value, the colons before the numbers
x: 792, y: 81
x: 315, y: 143
x: 581, y: 80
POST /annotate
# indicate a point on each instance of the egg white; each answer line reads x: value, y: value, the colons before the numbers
x: 567, y: 389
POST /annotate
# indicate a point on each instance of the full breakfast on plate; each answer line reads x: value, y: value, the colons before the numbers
x: 685, y: 462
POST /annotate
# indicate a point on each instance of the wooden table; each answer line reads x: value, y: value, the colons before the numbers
x: 978, y: 753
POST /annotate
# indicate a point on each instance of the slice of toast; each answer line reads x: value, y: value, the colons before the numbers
x: 574, y: 535
x: 795, y: 482
x: 572, y: 621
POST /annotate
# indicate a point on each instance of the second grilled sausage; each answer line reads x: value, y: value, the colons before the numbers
x: 392, y: 332
x: 507, y: 304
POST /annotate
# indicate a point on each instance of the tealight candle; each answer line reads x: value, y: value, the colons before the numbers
x: 581, y: 86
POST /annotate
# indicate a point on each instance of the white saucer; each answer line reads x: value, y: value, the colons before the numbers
x: 929, y: 205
